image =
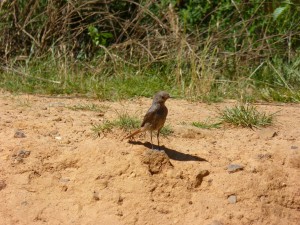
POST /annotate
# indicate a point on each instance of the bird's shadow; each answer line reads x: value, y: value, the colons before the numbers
x: 172, y: 154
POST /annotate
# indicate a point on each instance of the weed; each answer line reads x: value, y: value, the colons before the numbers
x: 104, y: 127
x: 166, y: 130
x: 127, y: 122
x: 124, y: 122
x: 246, y: 116
x: 207, y: 125
x: 88, y: 107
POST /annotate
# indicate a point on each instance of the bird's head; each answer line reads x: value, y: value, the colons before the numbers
x: 161, y: 97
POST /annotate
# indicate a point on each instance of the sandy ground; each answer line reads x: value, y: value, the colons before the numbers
x: 59, y: 173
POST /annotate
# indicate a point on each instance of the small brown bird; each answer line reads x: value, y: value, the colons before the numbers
x: 156, y: 116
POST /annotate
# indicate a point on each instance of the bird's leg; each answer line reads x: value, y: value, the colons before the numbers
x: 151, y: 139
x: 158, y: 139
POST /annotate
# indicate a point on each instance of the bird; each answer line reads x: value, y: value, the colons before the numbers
x: 155, y: 117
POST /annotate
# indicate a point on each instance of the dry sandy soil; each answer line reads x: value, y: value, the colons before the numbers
x: 59, y: 173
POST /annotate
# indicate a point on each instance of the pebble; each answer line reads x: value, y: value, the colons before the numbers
x: 64, y: 180
x: 23, y: 153
x: 294, y: 147
x: 19, y: 134
x: 234, y: 168
x: 18, y: 158
x: 264, y: 156
x: 232, y: 199
x: 58, y: 119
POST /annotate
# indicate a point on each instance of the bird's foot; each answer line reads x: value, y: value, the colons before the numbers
x: 156, y: 148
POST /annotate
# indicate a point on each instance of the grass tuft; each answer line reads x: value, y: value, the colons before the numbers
x: 166, y: 130
x: 127, y: 122
x: 207, y: 125
x: 102, y: 128
x: 246, y: 116
x: 87, y: 107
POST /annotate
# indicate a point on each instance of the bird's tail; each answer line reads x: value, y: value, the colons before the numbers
x: 142, y: 129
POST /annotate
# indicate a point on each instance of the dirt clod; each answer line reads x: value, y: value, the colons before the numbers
x: 199, y: 177
x: 157, y: 161
x: 2, y: 184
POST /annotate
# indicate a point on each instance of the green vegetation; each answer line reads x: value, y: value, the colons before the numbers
x: 207, y: 51
x: 88, y: 107
x: 246, y: 116
x: 166, y: 130
x: 124, y: 122
x: 127, y: 122
x: 207, y: 125
x: 102, y: 128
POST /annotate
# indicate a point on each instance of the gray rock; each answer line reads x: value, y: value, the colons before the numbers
x: 234, y: 168
x: 19, y: 134
x: 23, y: 153
x: 64, y: 180
x: 17, y: 160
x: 232, y: 199
x: 19, y: 157
x: 294, y: 147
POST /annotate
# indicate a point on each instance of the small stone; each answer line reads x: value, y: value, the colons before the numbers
x: 58, y: 138
x: 64, y: 180
x: 57, y: 119
x: 24, y: 203
x: 2, y: 184
x: 234, y: 168
x: 264, y: 156
x: 19, y: 134
x: 23, y: 153
x: 294, y: 147
x: 18, y: 160
x: 232, y: 199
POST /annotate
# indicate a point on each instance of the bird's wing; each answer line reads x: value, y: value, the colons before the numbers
x: 150, y: 114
